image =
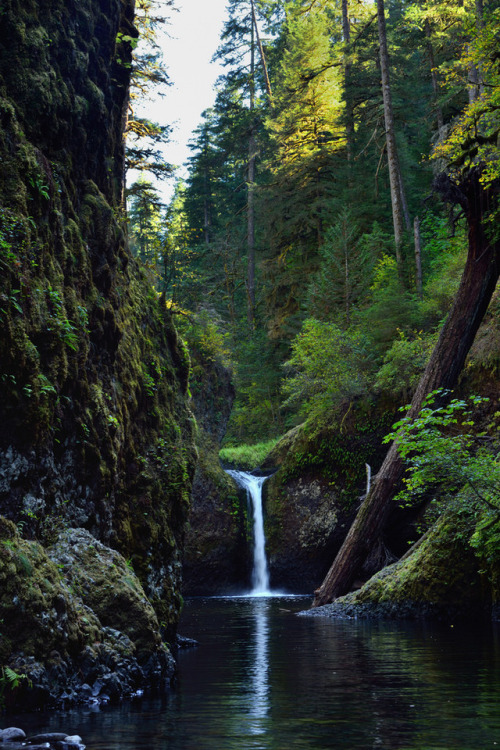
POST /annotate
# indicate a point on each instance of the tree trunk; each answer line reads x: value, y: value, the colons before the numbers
x: 349, y: 113
x: 434, y: 78
x: 418, y: 257
x: 263, y: 62
x: 250, y: 192
x: 396, y: 182
x: 477, y: 285
x: 251, y: 229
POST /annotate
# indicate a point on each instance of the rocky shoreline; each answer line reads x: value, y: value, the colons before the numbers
x: 13, y: 738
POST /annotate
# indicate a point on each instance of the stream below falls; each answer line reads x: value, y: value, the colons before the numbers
x: 265, y: 678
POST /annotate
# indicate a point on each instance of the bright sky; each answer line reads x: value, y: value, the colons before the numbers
x: 193, y: 37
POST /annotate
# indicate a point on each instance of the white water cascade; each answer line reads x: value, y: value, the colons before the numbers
x: 260, y: 573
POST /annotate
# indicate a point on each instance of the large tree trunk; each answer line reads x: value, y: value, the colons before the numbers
x: 250, y: 190
x: 349, y: 113
x: 262, y: 54
x: 418, y: 257
x: 434, y: 78
x: 399, y: 214
x: 251, y: 229
x: 478, y: 283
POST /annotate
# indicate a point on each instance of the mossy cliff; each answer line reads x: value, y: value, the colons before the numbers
x: 94, y: 426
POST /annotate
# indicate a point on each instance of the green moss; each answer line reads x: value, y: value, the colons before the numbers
x: 335, y: 452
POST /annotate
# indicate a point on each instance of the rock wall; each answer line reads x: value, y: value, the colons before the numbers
x: 95, y: 431
x: 312, y: 499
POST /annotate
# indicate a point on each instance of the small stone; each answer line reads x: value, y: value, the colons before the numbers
x: 46, y: 737
x: 73, y: 739
x: 183, y: 642
x: 12, y: 734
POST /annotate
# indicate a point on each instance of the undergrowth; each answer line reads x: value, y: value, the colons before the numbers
x: 247, y: 456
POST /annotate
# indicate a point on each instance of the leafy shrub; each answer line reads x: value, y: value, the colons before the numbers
x: 327, y: 366
x: 403, y: 365
x: 441, y: 449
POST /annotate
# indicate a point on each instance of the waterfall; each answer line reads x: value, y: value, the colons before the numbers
x: 260, y: 573
x: 368, y: 477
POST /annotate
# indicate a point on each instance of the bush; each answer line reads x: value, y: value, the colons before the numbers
x: 327, y: 366
x: 403, y: 365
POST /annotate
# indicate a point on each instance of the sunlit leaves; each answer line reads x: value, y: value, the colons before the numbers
x: 327, y: 366
x: 473, y: 139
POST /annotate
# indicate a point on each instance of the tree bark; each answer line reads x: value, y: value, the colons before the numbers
x: 349, y: 115
x: 251, y: 229
x: 418, y: 257
x: 396, y: 183
x: 250, y: 191
x: 434, y: 78
x: 263, y: 62
x: 477, y: 285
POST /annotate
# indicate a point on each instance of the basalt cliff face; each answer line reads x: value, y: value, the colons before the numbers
x: 95, y: 432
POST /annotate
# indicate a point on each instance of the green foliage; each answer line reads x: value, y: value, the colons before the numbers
x: 448, y: 460
x: 346, y: 266
x: 323, y: 232
x: 327, y: 366
x: 445, y: 247
x: 473, y: 138
x: 10, y: 680
x: 247, y: 456
x: 442, y: 451
x: 203, y: 332
x: 403, y: 365
x: 58, y: 320
x: 391, y: 308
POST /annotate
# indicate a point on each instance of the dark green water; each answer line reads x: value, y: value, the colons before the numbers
x: 264, y: 678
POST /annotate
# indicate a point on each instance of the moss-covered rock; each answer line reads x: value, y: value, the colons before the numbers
x: 73, y: 617
x: 440, y: 577
x: 107, y: 584
x: 311, y: 500
x: 216, y: 556
x: 217, y: 552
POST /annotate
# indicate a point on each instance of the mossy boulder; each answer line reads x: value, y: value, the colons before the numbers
x: 107, y: 584
x: 75, y: 619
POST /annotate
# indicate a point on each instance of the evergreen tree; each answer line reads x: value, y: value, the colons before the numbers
x: 144, y: 138
x: 305, y: 155
x: 345, y: 272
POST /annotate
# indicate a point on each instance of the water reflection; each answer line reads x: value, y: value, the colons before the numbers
x: 259, y: 669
